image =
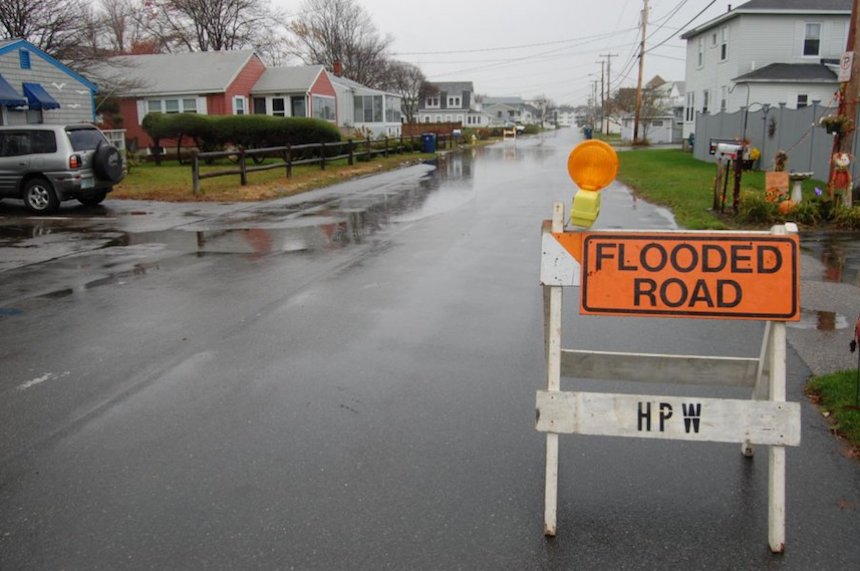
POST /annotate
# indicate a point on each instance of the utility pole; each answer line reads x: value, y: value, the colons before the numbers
x: 849, y: 92
x: 608, y: 80
x: 641, y: 69
x: 602, y: 97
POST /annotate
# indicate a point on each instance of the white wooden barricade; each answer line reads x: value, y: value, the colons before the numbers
x: 766, y: 419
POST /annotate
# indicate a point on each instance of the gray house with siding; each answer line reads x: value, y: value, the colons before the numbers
x: 37, y: 88
x: 765, y: 52
x: 451, y: 102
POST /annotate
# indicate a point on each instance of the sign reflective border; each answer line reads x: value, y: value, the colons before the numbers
x: 726, y: 276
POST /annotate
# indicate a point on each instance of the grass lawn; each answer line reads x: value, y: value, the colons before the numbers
x: 171, y: 182
x: 673, y: 178
x: 835, y: 395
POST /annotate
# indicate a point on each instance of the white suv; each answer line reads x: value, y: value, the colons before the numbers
x: 44, y: 165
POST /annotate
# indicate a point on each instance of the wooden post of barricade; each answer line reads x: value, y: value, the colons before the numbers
x: 725, y: 275
x: 776, y: 454
x: 552, y: 341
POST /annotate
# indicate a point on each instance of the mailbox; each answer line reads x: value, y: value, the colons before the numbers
x: 728, y: 151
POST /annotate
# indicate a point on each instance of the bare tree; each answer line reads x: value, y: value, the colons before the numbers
x: 329, y: 31
x: 122, y: 24
x: 543, y: 104
x: 51, y: 25
x: 408, y: 81
x: 210, y: 25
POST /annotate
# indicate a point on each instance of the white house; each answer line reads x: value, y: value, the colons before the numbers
x: 765, y: 52
x: 452, y: 102
x: 370, y: 111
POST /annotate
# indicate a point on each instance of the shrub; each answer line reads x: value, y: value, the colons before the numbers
x: 753, y: 209
x: 807, y: 212
x: 847, y: 218
x: 210, y: 132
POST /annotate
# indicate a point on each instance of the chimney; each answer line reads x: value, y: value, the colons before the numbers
x: 337, y: 68
x: 729, y: 9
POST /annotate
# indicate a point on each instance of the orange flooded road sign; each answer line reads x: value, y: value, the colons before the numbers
x: 727, y: 276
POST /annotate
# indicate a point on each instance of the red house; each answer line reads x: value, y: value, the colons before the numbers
x: 214, y: 83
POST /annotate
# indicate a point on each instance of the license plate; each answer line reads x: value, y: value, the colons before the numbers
x: 86, y: 183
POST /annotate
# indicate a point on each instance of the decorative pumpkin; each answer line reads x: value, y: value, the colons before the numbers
x: 786, y: 206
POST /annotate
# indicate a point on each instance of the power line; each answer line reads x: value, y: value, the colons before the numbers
x: 514, y: 47
x: 711, y: 3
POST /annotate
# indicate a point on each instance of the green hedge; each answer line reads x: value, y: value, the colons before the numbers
x: 211, y: 132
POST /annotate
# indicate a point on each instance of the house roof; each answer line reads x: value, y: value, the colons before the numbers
x: 453, y: 86
x: 775, y: 7
x: 506, y: 100
x: 789, y: 73
x: 357, y: 87
x: 288, y: 79
x: 191, y: 73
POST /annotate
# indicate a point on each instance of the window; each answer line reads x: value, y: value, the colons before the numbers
x: 432, y: 102
x: 324, y: 107
x: 714, y: 39
x: 43, y: 142
x: 297, y: 107
x: 802, y: 100
x: 706, y: 99
x: 259, y: 105
x: 238, y: 105
x: 453, y: 102
x: 368, y: 109
x: 691, y: 106
x: 701, y: 55
x: 427, y: 118
x: 187, y: 105
x: 24, y: 59
x: 656, y: 123
x: 392, y: 109
x: 724, y: 93
x: 812, y: 40
x: 279, y: 107
x: 724, y: 43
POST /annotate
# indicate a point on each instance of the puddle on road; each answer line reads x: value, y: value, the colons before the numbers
x: 820, y: 320
x: 838, y: 253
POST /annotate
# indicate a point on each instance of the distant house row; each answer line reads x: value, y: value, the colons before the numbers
x: 456, y: 102
x: 36, y: 88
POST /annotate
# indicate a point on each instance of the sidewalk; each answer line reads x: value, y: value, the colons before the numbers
x: 830, y: 310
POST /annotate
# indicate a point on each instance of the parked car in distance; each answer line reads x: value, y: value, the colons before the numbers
x: 44, y: 165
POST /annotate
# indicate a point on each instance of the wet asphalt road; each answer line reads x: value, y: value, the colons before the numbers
x: 346, y: 380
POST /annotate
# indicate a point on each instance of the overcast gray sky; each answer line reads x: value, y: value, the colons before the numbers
x: 531, y: 47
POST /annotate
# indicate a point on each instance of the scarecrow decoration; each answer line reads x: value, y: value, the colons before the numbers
x: 840, y: 183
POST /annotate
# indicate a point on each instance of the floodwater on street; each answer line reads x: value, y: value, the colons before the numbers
x: 345, y: 379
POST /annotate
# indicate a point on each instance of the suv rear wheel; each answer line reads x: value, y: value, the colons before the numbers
x: 39, y: 196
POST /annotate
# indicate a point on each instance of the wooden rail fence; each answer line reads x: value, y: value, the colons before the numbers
x: 350, y: 150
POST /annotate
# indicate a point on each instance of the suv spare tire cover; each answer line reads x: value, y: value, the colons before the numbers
x: 107, y: 162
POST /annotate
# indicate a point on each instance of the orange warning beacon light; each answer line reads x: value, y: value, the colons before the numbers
x: 592, y: 165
